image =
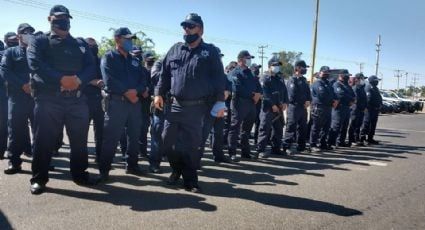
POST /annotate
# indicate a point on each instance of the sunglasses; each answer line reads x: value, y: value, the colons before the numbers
x: 189, y: 26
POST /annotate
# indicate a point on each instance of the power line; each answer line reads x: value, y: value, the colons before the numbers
x: 261, y: 52
x: 398, y: 77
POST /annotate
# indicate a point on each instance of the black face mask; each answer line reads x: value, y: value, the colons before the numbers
x: 12, y: 44
x: 325, y: 76
x: 61, y: 24
x: 303, y: 71
x: 190, y: 38
x: 374, y: 83
x: 150, y: 63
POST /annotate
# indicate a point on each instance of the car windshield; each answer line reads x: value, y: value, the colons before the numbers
x: 385, y: 94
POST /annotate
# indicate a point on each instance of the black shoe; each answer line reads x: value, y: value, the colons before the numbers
x: 255, y: 155
x: 135, y: 170
x: 174, y: 178
x: 10, y: 170
x: 1, y: 156
x: 358, y: 143
x: 246, y: 155
x: 155, y: 169
x: 28, y: 154
x: 222, y: 160
x: 37, y: 188
x: 85, y: 181
x: 373, y: 142
x: 103, y: 178
x: 193, y: 189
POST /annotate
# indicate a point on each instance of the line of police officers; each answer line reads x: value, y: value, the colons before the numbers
x: 55, y: 80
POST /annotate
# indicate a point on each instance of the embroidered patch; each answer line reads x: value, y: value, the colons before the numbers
x: 205, y: 53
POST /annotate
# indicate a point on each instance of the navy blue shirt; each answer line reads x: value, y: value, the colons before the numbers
x: 344, y: 93
x: 192, y: 73
x: 274, y: 91
x: 122, y: 73
x: 298, y: 90
x: 361, y: 99
x: 244, y: 83
x: 51, y: 57
x: 2, y: 85
x: 91, y: 90
x: 322, y: 93
x: 374, y: 98
x: 14, y: 69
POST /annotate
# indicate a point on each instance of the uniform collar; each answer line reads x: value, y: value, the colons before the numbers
x: 186, y: 46
x: 54, y: 36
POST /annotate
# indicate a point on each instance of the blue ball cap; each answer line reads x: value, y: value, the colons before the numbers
x: 124, y: 32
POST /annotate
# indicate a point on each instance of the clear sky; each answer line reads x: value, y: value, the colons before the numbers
x: 348, y: 29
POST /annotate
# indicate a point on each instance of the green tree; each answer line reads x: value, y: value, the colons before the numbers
x: 288, y: 58
x: 142, y: 40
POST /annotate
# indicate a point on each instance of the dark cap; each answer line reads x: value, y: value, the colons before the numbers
x: 25, y: 27
x: 360, y: 75
x: 274, y: 61
x: 373, y: 78
x: 244, y: 53
x: 344, y: 72
x: 255, y: 66
x: 325, y: 69
x: 148, y: 56
x: 193, y: 19
x: 10, y: 35
x: 301, y: 63
x: 59, y: 10
x: 124, y: 32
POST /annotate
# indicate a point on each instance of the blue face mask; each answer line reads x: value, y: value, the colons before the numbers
x: 127, y: 45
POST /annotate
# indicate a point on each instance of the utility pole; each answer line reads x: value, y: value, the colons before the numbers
x: 415, y: 79
x: 406, y: 81
x: 361, y: 64
x: 313, y: 58
x: 261, y: 52
x: 398, y: 78
x: 382, y: 80
x: 378, y: 49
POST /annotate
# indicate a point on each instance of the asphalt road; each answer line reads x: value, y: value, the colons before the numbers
x: 377, y: 187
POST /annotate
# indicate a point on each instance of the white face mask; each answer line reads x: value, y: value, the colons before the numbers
x: 248, y: 62
x: 275, y: 69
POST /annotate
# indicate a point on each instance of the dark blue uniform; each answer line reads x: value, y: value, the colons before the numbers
x: 15, y: 70
x: 120, y: 74
x: 296, y: 127
x: 357, y: 114
x: 244, y: 85
x: 145, y: 106
x: 341, y: 114
x: 193, y: 77
x: 94, y: 102
x: 50, y: 58
x: 323, y: 95
x: 271, y: 123
x: 214, y: 125
x: 374, y: 103
x: 3, y: 114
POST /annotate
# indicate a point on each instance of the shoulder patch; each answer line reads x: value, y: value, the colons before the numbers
x: 205, y: 53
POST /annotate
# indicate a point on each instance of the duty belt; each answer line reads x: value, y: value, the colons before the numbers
x: 188, y: 102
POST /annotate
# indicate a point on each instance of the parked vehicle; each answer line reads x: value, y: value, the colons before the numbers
x: 397, y: 104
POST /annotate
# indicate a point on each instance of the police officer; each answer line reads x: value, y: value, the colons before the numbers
x: 193, y: 74
x: 214, y: 124
x: 157, y: 125
x: 374, y: 103
x: 3, y: 110
x: 323, y: 99
x: 149, y: 60
x: 255, y: 68
x: 246, y: 92
x: 357, y: 110
x: 125, y: 83
x: 341, y: 114
x: 275, y: 99
x: 14, y: 69
x: 63, y: 65
x: 228, y: 113
x: 299, y: 100
x: 94, y: 98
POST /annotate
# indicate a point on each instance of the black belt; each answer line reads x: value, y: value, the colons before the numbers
x: 117, y: 97
x: 188, y: 102
x: 74, y: 93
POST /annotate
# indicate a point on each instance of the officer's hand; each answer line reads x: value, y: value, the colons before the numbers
x: 283, y: 107
x: 335, y: 104
x: 226, y: 94
x: 98, y: 83
x: 70, y: 82
x: 275, y: 109
x: 146, y: 93
x: 256, y: 97
x: 307, y: 104
x: 26, y: 88
x: 158, y: 102
x: 131, y: 95
x: 365, y: 110
x: 220, y: 113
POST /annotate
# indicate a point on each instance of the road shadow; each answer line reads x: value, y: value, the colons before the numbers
x: 4, y: 222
